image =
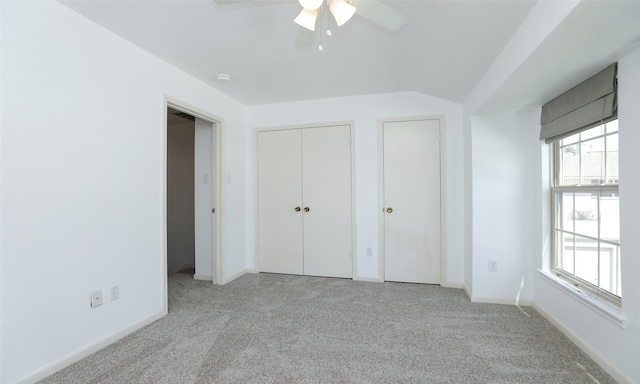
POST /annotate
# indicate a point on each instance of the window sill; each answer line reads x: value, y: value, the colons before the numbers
x: 603, y: 308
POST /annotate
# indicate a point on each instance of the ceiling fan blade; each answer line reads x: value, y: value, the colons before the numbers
x: 304, y: 38
x: 380, y: 14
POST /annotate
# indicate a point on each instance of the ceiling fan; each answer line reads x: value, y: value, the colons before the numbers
x: 342, y: 11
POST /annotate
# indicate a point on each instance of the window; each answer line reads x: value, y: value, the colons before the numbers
x: 586, y: 211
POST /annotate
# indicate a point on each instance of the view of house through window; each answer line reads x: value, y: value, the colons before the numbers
x: 586, y: 210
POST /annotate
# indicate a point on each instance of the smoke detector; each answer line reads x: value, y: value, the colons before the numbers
x: 223, y: 78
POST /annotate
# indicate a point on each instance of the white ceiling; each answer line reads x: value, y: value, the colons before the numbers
x: 592, y: 37
x: 443, y: 51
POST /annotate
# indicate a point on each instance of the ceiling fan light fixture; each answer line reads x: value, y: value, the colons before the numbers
x: 307, y: 19
x: 311, y: 4
x: 341, y: 11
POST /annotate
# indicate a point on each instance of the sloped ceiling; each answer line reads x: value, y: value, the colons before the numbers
x: 592, y: 37
x: 443, y: 51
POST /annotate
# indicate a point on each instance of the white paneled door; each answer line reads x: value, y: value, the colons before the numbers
x: 280, y: 202
x: 326, y: 192
x: 304, y: 201
x: 411, y: 188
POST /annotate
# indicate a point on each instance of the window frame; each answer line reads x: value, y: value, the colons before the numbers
x: 557, y: 191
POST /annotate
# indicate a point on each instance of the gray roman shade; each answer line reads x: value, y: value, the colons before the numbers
x: 587, y: 105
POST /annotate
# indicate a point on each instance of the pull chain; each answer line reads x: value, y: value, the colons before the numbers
x: 327, y: 22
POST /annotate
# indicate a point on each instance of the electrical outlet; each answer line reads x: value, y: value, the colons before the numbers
x: 96, y: 299
x: 115, y: 292
x: 493, y: 266
x: 368, y: 251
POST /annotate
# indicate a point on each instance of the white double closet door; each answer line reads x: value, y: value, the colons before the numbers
x: 304, y: 201
x: 411, y: 192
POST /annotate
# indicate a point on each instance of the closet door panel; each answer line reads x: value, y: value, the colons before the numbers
x: 280, y: 244
x: 412, y: 201
x: 326, y: 191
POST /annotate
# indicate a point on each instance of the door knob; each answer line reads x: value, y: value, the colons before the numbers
x: 306, y: 209
x: 297, y: 209
x: 389, y: 210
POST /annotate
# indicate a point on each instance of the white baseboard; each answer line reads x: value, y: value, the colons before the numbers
x: 467, y: 291
x: 87, y: 350
x: 452, y: 285
x: 203, y: 277
x: 592, y: 353
x: 500, y: 300
x: 369, y: 279
x: 233, y: 277
x: 494, y: 300
x: 378, y: 280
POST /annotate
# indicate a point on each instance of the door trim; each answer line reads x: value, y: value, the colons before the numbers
x: 443, y: 178
x: 218, y: 198
x: 351, y: 124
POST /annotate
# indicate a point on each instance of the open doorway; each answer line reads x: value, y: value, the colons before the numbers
x: 181, y: 256
x: 192, y: 159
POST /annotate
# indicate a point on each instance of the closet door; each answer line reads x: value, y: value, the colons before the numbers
x: 412, y: 201
x: 326, y: 193
x: 280, y: 202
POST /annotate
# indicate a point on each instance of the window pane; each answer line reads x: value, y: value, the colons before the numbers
x: 570, y: 165
x: 610, y: 268
x: 610, y: 217
x: 592, y: 132
x: 565, y: 251
x: 592, y: 161
x: 566, y: 212
x: 570, y: 140
x: 612, y: 159
x: 587, y: 219
x: 585, y: 214
x: 586, y: 259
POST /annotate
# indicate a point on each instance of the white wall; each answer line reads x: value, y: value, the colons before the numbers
x: 598, y: 333
x: 502, y: 210
x: 510, y: 216
x: 82, y: 184
x: 539, y: 24
x: 2, y: 31
x: 613, y: 346
x: 365, y: 111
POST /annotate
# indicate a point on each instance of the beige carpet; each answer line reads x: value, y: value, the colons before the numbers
x: 291, y: 329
